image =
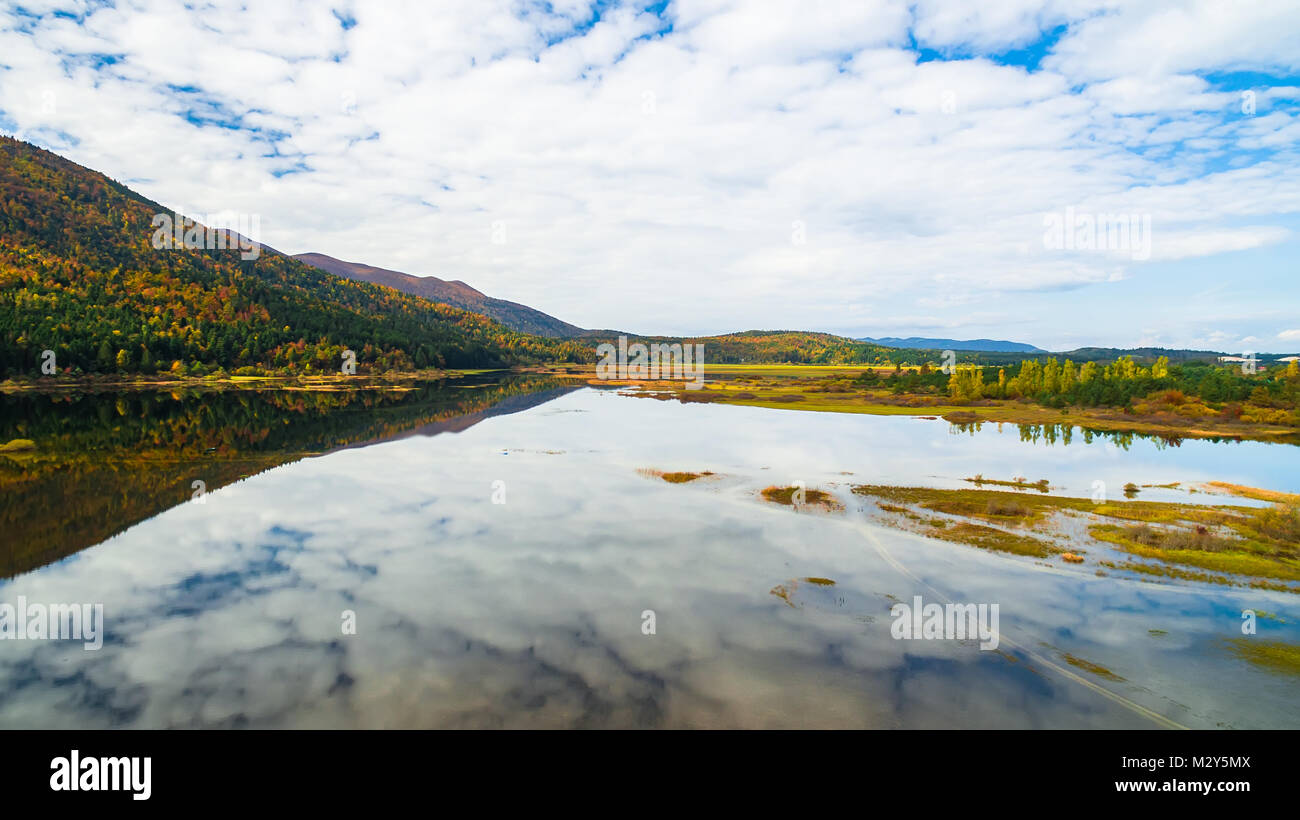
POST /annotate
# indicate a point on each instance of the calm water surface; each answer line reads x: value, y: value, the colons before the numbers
x: 528, y: 613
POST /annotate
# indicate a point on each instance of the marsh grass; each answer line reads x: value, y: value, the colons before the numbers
x: 1180, y: 539
x: 1019, y: 483
x: 1279, y: 523
x: 1093, y: 668
x: 673, y: 477
x: 1246, y: 546
x: 989, y: 538
x: 1252, y: 492
x: 1275, y: 656
x: 859, y: 389
x: 999, y: 508
x: 1007, y: 509
x: 811, y: 497
x: 1189, y: 549
x: 1168, y: 571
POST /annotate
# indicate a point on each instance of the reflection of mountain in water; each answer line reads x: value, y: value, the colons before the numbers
x: 106, y: 462
x: 461, y: 423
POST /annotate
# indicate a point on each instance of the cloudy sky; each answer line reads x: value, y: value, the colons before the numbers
x: 707, y: 166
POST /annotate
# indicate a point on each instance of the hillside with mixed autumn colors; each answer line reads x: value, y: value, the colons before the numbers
x: 772, y: 346
x: 80, y: 276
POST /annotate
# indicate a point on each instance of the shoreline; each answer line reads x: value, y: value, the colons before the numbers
x: 797, y: 392
x: 324, y: 382
x: 800, y: 390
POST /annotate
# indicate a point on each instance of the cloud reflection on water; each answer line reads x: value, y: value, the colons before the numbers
x: 527, y: 614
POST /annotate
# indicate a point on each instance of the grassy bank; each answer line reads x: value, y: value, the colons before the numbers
x: 838, y: 389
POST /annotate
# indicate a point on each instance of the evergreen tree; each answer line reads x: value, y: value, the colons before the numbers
x: 104, y: 358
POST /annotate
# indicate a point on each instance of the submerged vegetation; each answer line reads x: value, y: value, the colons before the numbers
x: 1275, y: 656
x: 1090, y: 667
x: 788, y: 591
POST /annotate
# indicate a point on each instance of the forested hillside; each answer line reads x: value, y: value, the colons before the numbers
x: 772, y: 346
x: 80, y: 276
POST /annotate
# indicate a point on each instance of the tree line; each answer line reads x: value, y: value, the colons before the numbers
x: 1124, y: 381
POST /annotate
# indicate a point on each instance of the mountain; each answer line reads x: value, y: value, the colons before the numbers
x: 987, y: 345
x: 1109, y: 354
x: 455, y: 293
x: 82, y: 275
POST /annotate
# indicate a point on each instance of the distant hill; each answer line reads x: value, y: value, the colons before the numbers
x: 769, y: 346
x: 1102, y: 355
x: 986, y: 345
x: 1106, y: 354
x: 455, y: 293
x: 80, y: 275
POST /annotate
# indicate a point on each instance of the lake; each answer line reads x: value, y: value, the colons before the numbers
x: 492, y: 552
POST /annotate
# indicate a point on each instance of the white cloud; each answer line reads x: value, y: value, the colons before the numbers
x: 1151, y: 39
x: 651, y: 179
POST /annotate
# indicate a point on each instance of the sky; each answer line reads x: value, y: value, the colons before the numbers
x: 873, y: 168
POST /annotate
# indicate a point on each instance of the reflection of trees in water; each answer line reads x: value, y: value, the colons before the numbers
x: 106, y: 462
x: 172, y: 423
x: 1063, y: 434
